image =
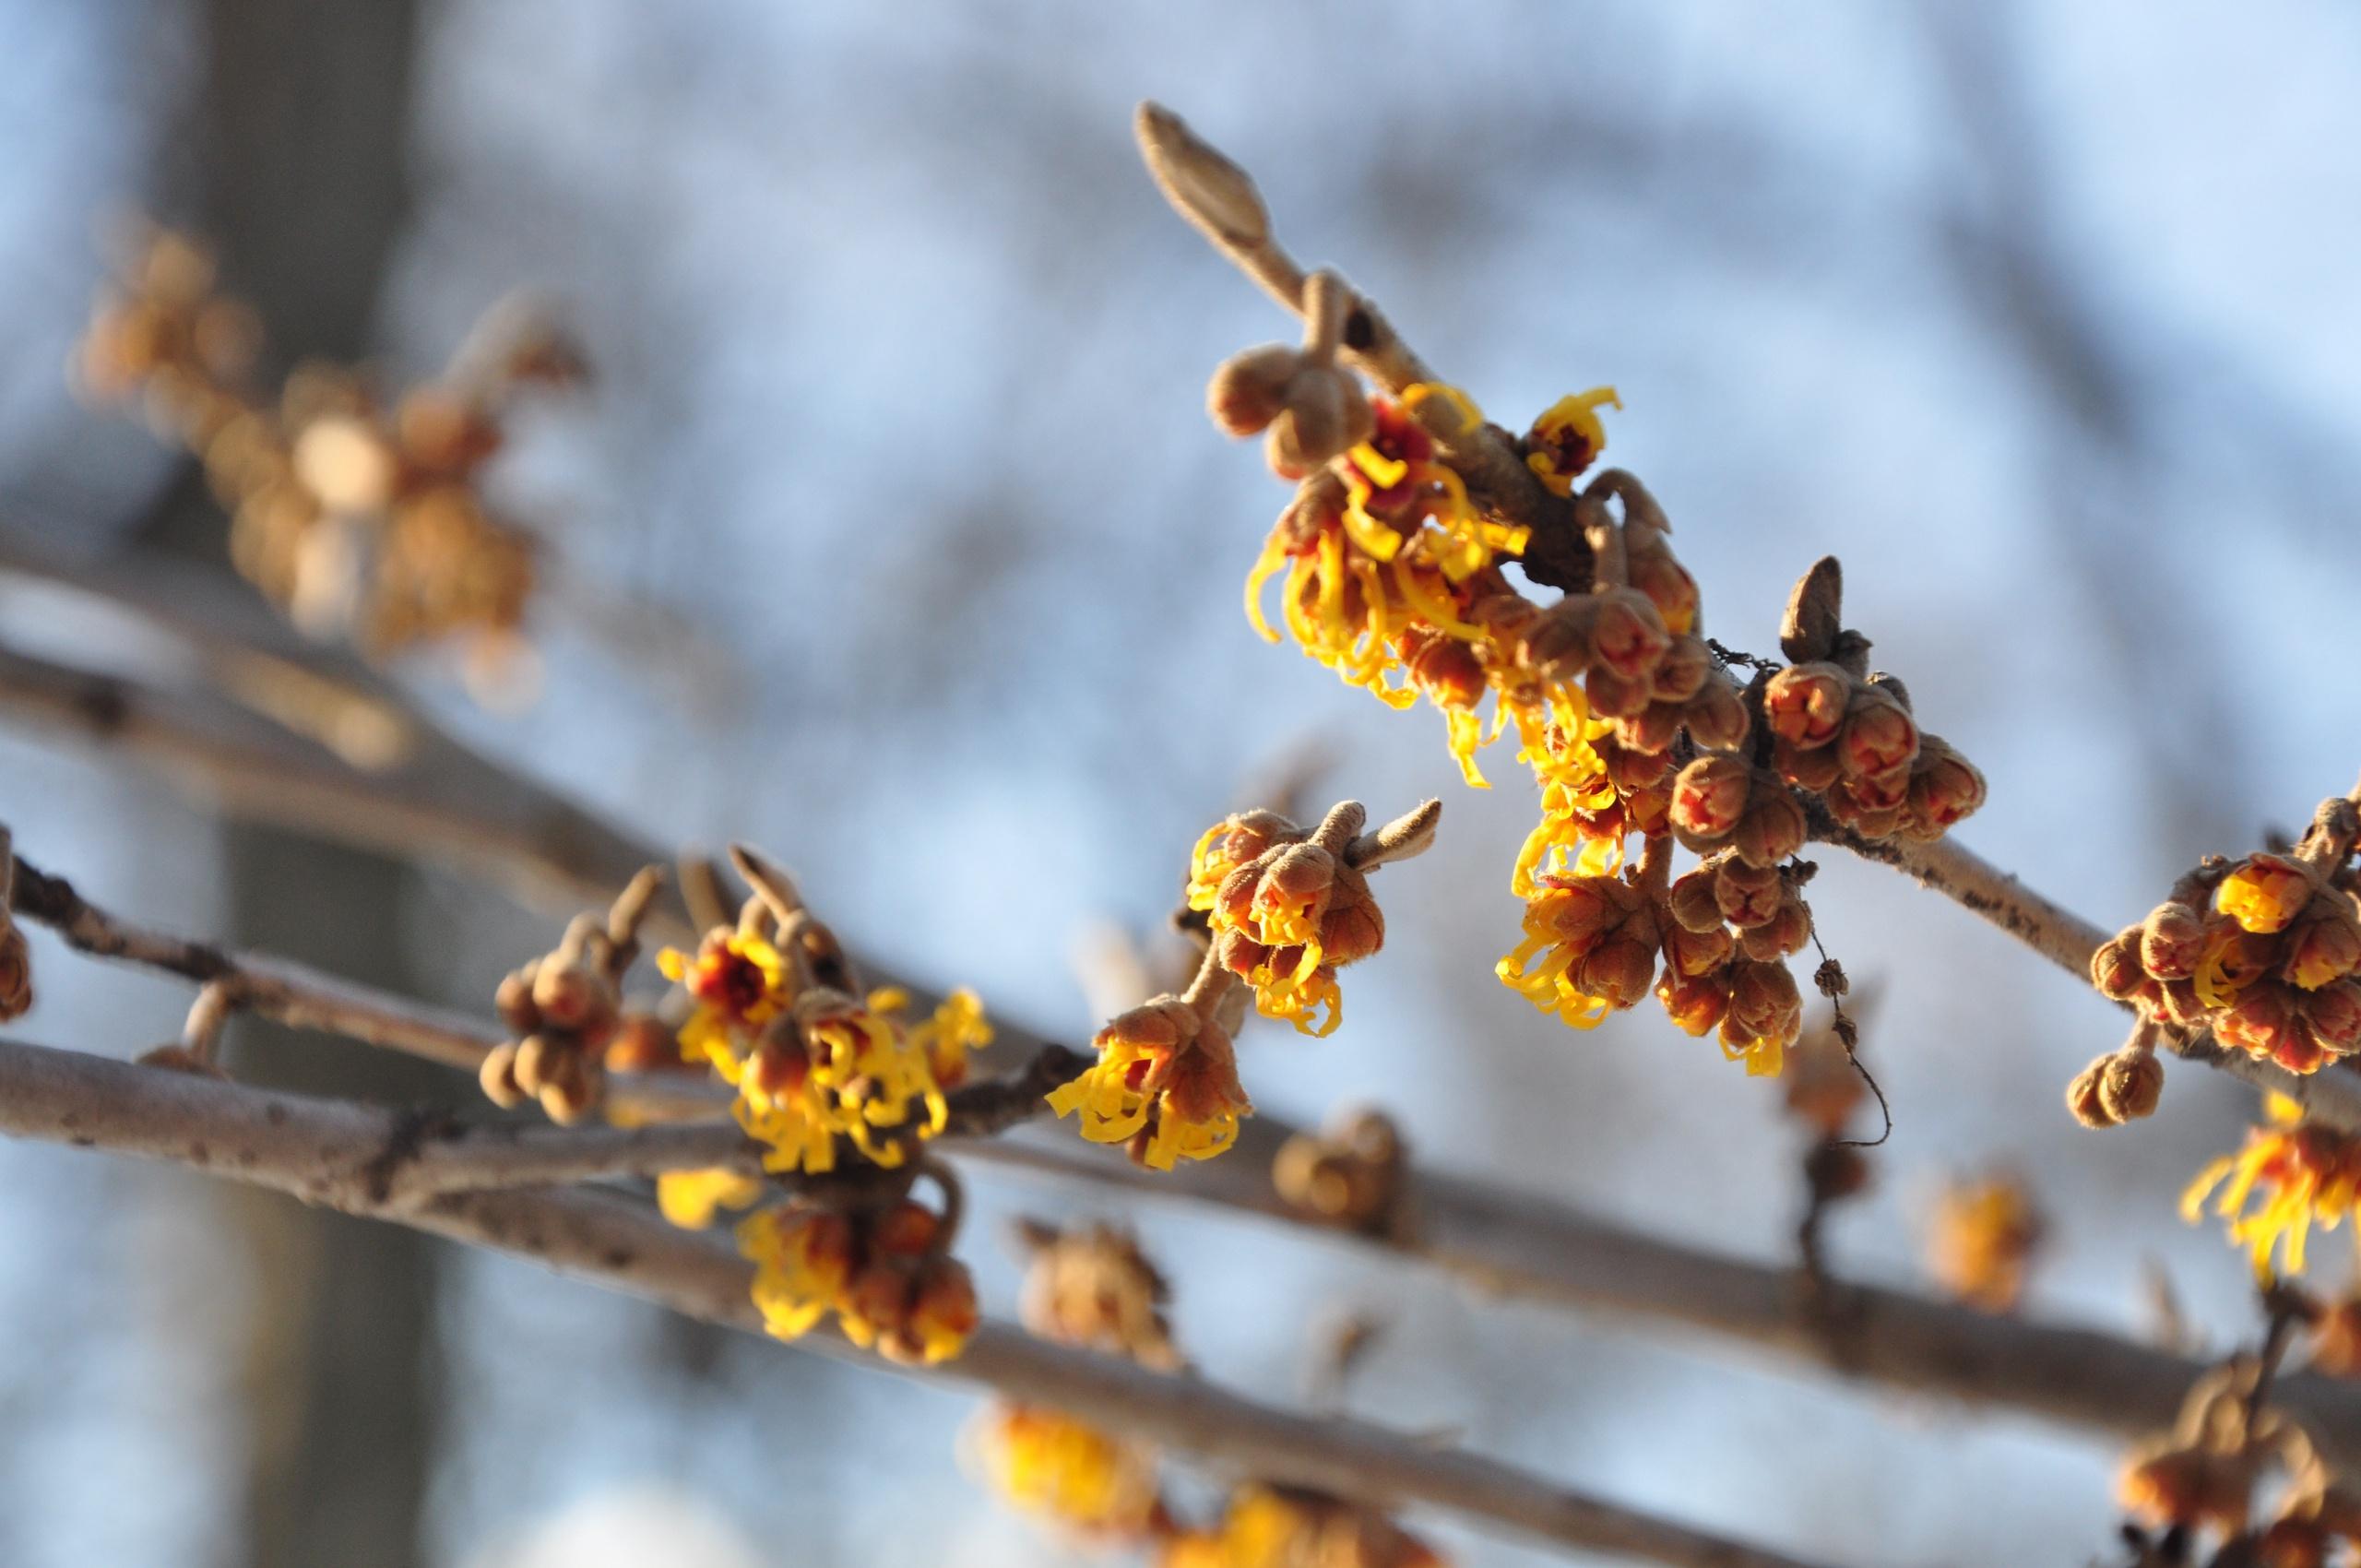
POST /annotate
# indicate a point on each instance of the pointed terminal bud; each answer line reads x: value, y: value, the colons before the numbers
x: 1815, y: 612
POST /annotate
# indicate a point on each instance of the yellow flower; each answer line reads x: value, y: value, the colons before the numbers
x: 2291, y: 1175
x: 740, y: 981
x: 1568, y: 438
x: 2265, y: 894
x: 1045, y: 1462
x: 803, y: 1261
x: 957, y: 1027
x: 1165, y: 1082
x: 691, y: 1198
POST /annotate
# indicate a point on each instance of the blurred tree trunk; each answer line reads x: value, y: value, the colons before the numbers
x: 301, y: 128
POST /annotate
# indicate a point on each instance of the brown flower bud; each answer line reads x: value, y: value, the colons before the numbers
x: 1944, y: 788
x: 1326, y: 414
x: 1651, y: 730
x: 570, y: 1084
x: 2323, y: 945
x: 2115, y: 968
x: 1682, y: 672
x: 2131, y: 1082
x: 1693, y: 901
x: 1627, y: 635
x: 1445, y: 667
x: 1555, y: 644
x: 498, y: 1076
x: 2333, y: 1013
x: 1747, y: 894
x: 1772, y: 827
x: 1202, y: 1083
x: 2172, y: 941
x: 1654, y: 572
x: 2083, y: 1099
x: 1250, y: 388
x: 1871, y: 795
x: 2175, y: 1001
x: 16, y: 970
x: 2257, y: 1022
x: 1816, y: 771
x: 1879, y: 737
x: 1616, y: 696
x: 1694, y: 1003
x: 1629, y: 769
x: 1764, y: 1005
x: 1708, y: 797
x: 573, y: 996
x: 1785, y: 933
x: 1699, y: 952
x: 1805, y: 703
x: 1354, y: 927
x: 643, y: 1043
x: 514, y: 1000
x: 1716, y: 717
x: 1619, y: 970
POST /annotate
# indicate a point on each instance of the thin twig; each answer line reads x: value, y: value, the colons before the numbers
x: 2331, y: 1096
x: 337, y: 1154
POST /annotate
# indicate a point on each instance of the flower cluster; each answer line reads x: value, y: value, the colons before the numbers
x: 1268, y: 1527
x: 1393, y: 553
x: 2291, y: 1175
x: 1288, y: 909
x: 884, y: 1269
x: 1348, y: 1174
x: 1284, y: 910
x: 1982, y: 1242
x: 2264, y: 951
x: 567, y: 1012
x: 1092, y: 1288
x: 780, y: 1016
x: 2200, y: 1479
x: 357, y: 517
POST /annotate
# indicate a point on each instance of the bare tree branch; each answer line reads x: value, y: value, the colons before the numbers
x: 342, y: 1155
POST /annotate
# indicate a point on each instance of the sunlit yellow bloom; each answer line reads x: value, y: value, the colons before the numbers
x: 803, y: 1261
x: 1165, y: 1082
x: 1294, y: 994
x: 956, y: 1028
x: 2291, y: 1175
x: 1578, y: 961
x: 741, y: 982
x: 691, y: 1198
x: 2265, y: 894
x: 1047, y: 1463
x: 1568, y: 438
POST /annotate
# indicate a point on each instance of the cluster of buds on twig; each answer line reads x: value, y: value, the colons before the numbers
x: 2292, y: 1175
x: 2197, y: 1485
x: 16, y: 956
x: 1408, y: 510
x: 1288, y: 907
x: 567, y: 1011
x: 1285, y: 907
x: 873, y: 1257
x: 1982, y: 1240
x: 1093, y: 1287
x: 358, y: 517
x: 781, y: 1017
x: 1846, y: 737
x: 2264, y: 952
x: 1349, y: 1173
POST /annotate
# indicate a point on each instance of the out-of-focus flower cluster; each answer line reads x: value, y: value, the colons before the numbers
x: 360, y: 518
x: 772, y: 1007
x: 1981, y: 1243
x: 567, y: 1008
x: 16, y: 956
x: 780, y: 1016
x: 884, y: 1269
x: 1284, y: 908
x: 2264, y: 952
x: 1391, y: 558
x: 1094, y: 1289
x: 2199, y: 1483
